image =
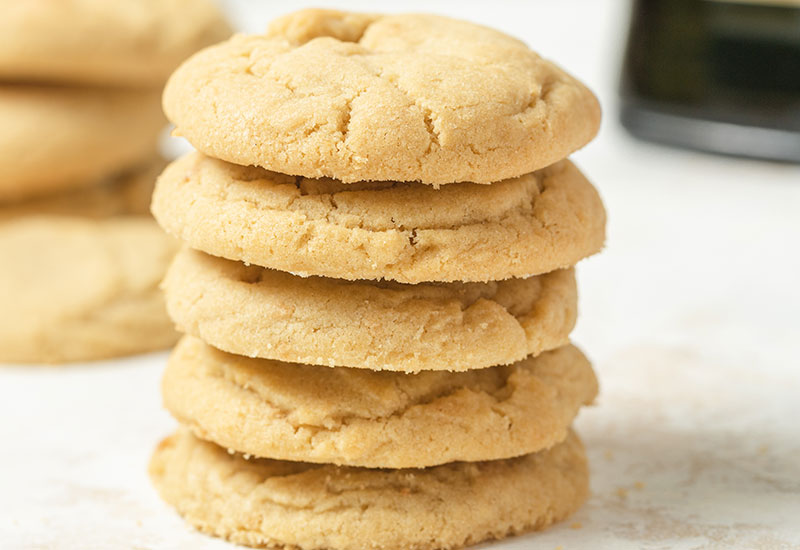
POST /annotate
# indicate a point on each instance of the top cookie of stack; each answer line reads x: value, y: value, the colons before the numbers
x: 371, y: 98
x: 376, y: 193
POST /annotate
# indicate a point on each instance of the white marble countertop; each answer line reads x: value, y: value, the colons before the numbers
x: 692, y: 316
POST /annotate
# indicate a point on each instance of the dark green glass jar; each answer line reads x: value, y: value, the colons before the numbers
x: 714, y: 75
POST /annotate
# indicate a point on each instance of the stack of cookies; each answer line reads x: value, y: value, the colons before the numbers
x: 80, y: 104
x: 377, y: 287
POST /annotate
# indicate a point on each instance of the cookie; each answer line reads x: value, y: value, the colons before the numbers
x: 121, y: 42
x: 123, y: 194
x: 76, y: 289
x: 406, y: 232
x: 55, y: 138
x: 380, y: 98
x: 357, y: 417
x: 278, y: 504
x: 257, y: 312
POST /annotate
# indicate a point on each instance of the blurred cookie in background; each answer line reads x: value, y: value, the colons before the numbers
x: 55, y: 138
x: 123, y: 194
x: 75, y: 288
x: 134, y: 43
x: 81, y: 271
x: 80, y: 102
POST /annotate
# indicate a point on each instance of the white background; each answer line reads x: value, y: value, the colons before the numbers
x: 690, y: 314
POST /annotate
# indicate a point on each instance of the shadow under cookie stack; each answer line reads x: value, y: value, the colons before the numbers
x: 376, y: 356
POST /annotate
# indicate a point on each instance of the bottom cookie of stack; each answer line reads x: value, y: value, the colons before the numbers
x: 273, y: 503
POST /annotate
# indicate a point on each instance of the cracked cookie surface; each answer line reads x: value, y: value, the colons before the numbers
x: 258, y: 312
x: 376, y: 419
x: 77, y: 289
x: 120, y: 42
x: 57, y: 138
x: 370, y: 98
x: 407, y: 232
x: 278, y: 504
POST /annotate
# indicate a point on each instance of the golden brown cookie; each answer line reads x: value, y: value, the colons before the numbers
x: 406, y: 232
x: 278, y: 504
x: 54, y: 139
x: 374, y: 325
x: 369, y: 98
x: 74, y: 289
x: 123, y: 42
x: 376, y: 419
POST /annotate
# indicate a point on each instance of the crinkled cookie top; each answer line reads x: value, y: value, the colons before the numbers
x: 368, y: 97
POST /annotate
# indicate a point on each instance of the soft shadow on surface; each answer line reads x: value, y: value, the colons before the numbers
x: 689, y: 446
x: 661, y: 487
x: 686, y: 451
x: 720, y: 489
